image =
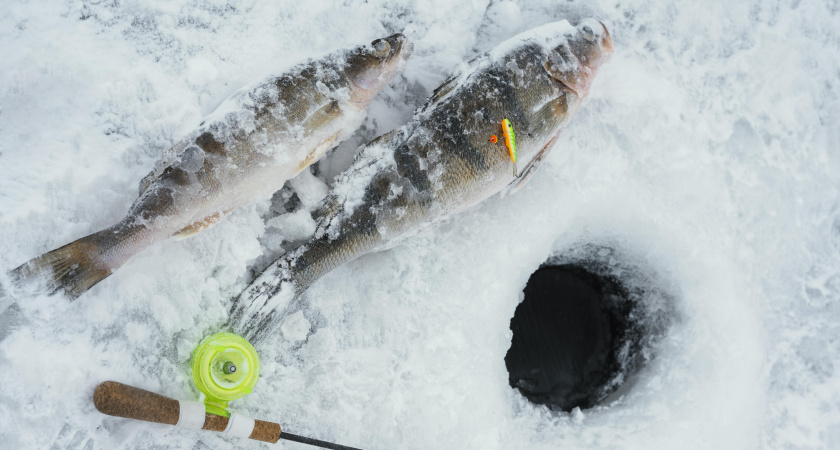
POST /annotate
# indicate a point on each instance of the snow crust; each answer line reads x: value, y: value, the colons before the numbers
x: 706, y: 153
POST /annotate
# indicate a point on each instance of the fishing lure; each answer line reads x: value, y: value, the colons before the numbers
x: 510, y: 142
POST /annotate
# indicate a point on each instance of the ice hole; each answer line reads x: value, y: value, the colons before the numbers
x: 588, y: 322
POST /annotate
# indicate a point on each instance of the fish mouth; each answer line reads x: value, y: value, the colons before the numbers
x: 369, y: 75
x: 608, y: 43
x: 407, y: 48
x: 403, y: 47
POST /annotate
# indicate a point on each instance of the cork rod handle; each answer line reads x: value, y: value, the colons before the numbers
x: 121, y: 400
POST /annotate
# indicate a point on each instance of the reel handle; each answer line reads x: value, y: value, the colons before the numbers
x: 121, y: 400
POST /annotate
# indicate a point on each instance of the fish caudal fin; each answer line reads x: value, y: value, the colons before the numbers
x: 259, y: 308
x: 71, y: 269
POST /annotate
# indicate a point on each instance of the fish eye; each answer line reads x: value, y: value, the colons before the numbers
x: 588, y: 34
x: 381, y: 47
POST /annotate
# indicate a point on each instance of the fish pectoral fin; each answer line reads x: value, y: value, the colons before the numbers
x: 200, y: 225
x: 549, y: 116
x: 317, y: 152
x: 321, y: 117
x: 530, y: 169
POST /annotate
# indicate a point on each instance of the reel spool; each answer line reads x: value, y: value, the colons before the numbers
x: 225, y: 367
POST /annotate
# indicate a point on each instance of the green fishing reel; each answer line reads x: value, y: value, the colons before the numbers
x: 225, y: 367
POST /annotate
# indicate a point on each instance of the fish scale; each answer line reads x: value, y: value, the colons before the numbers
x: 440, y: 163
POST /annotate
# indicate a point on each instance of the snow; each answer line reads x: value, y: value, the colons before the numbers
x: 704, y: 153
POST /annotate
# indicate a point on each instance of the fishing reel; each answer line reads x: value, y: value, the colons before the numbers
x: 225, y: 367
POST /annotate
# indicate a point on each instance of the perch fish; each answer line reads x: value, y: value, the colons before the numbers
x: 257, y: 139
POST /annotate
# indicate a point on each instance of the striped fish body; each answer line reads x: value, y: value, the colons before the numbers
x: 440, y: 163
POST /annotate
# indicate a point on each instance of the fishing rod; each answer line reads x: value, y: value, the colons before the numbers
x: 225, y: 367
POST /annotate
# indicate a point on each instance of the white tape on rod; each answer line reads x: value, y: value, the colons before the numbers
x: 190, y: 414
x: 240, y: 426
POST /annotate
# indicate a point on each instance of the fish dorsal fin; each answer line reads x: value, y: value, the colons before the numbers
x: 152, y: 177
x: 189, y: 153
x: 441, y: 91
x: 148, y: 180
x: 167, y: 160
x: 453, y: 81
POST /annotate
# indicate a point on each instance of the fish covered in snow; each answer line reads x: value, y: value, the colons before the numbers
x: 443, y: 161
x: 257, y: 139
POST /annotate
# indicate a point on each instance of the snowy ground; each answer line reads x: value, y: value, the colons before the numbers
x: 705, y: 152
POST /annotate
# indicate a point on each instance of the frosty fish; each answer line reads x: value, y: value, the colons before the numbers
x: 244, y: 151
x: 443, y: 161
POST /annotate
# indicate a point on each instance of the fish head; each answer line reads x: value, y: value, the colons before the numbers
x: 371, y: 67
x: 574, y: 60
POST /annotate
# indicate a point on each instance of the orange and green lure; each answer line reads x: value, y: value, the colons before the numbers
x: 510, y: 142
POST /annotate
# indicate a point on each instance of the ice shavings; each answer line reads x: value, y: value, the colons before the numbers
x: 295, y: 327
x: 294, y: 226
x: 310, y: 190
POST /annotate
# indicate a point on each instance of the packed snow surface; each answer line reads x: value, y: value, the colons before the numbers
x: 706, y: 153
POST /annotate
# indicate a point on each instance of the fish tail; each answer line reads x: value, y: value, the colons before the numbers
x: 73, y: 268
x: 258, y: 310
x: 263, y: 305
